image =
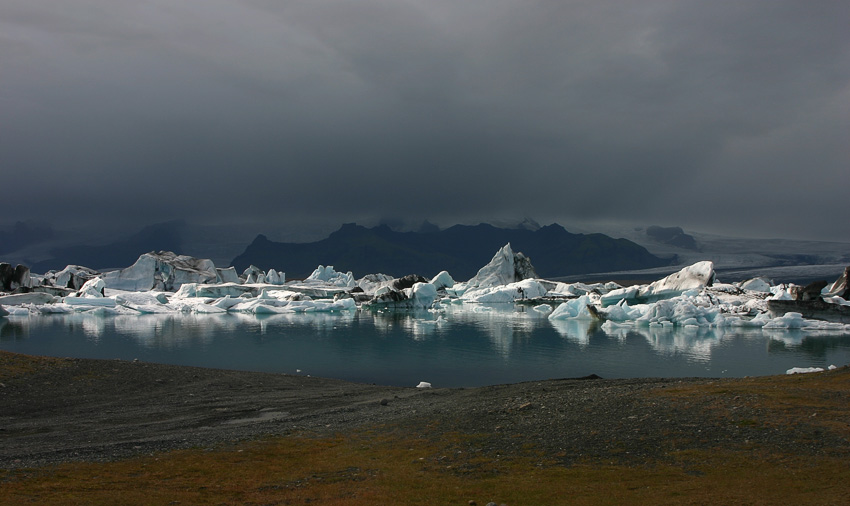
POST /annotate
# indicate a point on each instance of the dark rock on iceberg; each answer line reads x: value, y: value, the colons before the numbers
x: 14, y: 278
x: 840, y: 287
x: 408, y: 281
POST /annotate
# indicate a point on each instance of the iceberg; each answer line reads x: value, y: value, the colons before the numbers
x: 162, y: 270
x: 693, y: 277
x: 332, y: 277
x: 228, y: 275
x: 575, y: 309
x: 19, y: 299
x: 419, y: 296
x: 89, y: 301
x: 840, y: 287
x: 522, y: 290
x: 275, y: 278
x: 756, y: 285
x: 72, y: 276
x: 442, y: 281
x: 506, y: 267
x: 93, y: 288
x: 12, y: 279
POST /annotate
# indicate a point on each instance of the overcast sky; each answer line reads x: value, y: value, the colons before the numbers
x: 720, y: 116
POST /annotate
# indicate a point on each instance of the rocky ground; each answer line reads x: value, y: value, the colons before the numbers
x: 59, y: 410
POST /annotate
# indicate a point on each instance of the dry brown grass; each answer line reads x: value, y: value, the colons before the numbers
x: 821, y: 399
x: 393, y: 468
x: 13, y: 365
x: 391, y: 465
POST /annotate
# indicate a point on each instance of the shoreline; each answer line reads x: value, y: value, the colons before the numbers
x: 55, y: 410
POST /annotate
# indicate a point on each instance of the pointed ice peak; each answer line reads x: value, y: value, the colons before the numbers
x: 505, y: 267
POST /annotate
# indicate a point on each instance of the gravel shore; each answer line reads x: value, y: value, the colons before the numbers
x: 64, y: 410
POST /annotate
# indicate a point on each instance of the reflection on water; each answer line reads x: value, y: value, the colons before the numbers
x: 460, y: 346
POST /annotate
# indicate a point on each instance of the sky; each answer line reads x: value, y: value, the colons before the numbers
x: 729, y: 117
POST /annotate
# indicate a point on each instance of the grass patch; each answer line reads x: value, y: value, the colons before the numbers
x: 13, y: 365
x: 389, y: 467
x: 816, y: 399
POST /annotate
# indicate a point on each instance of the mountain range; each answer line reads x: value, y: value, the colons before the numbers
x: 461, y: 250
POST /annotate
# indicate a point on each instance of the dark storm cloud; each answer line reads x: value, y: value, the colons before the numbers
x: 727, y: 116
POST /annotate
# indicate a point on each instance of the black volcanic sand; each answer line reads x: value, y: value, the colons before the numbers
x: 60, y: 410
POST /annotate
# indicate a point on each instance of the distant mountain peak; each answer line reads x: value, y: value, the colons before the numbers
x: 460, y: 250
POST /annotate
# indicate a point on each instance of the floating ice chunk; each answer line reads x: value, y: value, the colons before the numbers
x: 621, y: 312
x: 791, y: 320
x: 18, y: 311
x: 72, y: 276
x: 442, y: 281
x: 141, y: 298
x: 756, y: 285
x: 3, y: 312
x: 103, y: 311
x: 59, y: 308
x: 92, y: 288
x: 780, y: 293
x: 693, y: 277
x: 371, y: 283
x: 253, y: 274
x: 422, y: 295
x: 525, y: 289
x: 683, y: 311
x: 837, y: 300
x: 543, y: 308
x: 577, y: 289
x: 162, y: 270
x: 803, y: 370
x: 186, y: 291
x: 275, y: 278
x: 228, y: 275
x: 620, y: 294
x: 423, y: 384
x: 575, y: 309
x: 332, y: 277
x: 265, y: 309
x: 89, y: 301
x: 226, y: 302
x: 37, y: 298
x: 419, y: 296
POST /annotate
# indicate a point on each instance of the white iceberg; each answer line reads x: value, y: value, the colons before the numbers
x: 575, y: 309
x: 693, y: 277
x: 162, y: 270
x: 332, y: 277
x: 442, y: 281
x: 506, y: 267
x: 526, y: 289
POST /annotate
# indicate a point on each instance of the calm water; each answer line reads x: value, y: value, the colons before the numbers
x: 490, y: 346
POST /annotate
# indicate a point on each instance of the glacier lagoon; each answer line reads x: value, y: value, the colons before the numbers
x: 458, y: 347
